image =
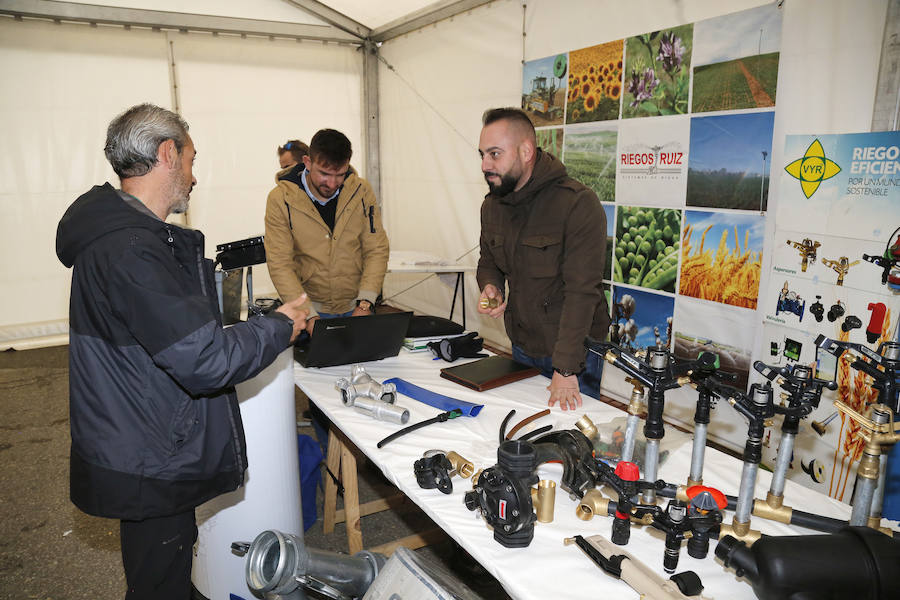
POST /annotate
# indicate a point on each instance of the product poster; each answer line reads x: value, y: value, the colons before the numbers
x: 839, y: 205
x: 653, y: 161
x: 641, y: 319
x: 657, y: 72
x: 646, y: 247
x: 722, y: 330
x: 736, y: 60
x: 544, y: 89
x: 845, y: 185
x: 729, y: 161
x: 610, y: 210
x: 551, y: 140
x: 721, y: 257
x: 595, y: 83
x: 590, y: 157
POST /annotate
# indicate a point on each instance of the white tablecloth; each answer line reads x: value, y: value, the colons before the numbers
x: 546, y: 568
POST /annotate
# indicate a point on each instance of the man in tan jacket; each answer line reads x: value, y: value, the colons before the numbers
x: 324, y: 235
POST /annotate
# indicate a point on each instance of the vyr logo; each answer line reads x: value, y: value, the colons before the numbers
x: 813, y: 168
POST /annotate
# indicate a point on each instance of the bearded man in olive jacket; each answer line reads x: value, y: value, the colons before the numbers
x: 544, y: 235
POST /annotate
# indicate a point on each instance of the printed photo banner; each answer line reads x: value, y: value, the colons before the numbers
x: 673, y: 131
x: 838, y: 211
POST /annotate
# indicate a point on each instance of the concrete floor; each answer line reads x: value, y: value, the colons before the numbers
x: 49, y: 550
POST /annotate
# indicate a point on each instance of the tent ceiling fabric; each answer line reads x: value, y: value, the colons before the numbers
x: 334, y: 20
x: 376, y: 14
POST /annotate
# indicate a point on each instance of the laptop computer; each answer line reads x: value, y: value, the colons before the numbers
x: 347, y: 340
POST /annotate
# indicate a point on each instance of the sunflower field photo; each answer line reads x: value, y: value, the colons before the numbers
x: 595, y: 83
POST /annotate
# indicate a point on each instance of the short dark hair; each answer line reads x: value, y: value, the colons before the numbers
x: 297, y: 149
x: 513, y: 115
x: 331, y: 147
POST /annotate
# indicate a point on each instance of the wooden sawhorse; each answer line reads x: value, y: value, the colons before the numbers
x: 341, y: 461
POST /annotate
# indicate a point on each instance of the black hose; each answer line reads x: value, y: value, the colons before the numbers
x: 444, y: 416
x: 798, y: 517
x: 537, y: 431
x: 505, y: 422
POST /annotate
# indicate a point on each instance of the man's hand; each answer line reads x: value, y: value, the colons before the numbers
x: 363, y: 309
x: 295, y: 311
x: 311, y: 323
x: 489, y: 295
x: 565, y: 391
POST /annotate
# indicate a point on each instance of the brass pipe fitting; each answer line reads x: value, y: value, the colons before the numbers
x: 739, y: 531
x: 765, y: 510
x: 636, y: 403
x: 593, y: 503
x: 587, y: 427
x: 476, y: 476
x: 774, y: 501
x: 869, y: 463
x: 692, y: 483
x: 461, y: 466
x: 545, y: 500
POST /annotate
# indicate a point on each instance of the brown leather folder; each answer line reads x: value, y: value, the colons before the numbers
x: 487, y: 373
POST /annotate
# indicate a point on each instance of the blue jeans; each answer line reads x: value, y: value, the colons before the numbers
x: 588, y: 380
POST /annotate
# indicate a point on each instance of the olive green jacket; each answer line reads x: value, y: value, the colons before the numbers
x: 548, y: 242
x: 337, y: 268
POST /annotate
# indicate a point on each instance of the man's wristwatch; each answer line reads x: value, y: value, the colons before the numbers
x: 565, y: 373
x: 365, y: 305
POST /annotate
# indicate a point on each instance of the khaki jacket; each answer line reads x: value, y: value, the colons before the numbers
x: 548, y: 242
x: 303, y: 255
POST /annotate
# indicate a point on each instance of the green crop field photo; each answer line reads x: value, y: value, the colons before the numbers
x: 748, y: 82
x: 591, y: 159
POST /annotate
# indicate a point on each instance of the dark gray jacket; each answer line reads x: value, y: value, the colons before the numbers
x: 155, y: 423
x: 548, y: 241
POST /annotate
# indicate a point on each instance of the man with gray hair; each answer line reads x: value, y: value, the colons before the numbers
x: 156, y: 429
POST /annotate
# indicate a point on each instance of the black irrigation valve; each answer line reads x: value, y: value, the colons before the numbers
x: 434, y: 472
x: 502, y: 494
x: 817, y: 309
x: 851, y: 322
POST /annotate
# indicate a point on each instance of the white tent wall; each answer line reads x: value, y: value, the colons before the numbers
x: 64, y: 82
x: 244, y: 98
x: 430, y: 172
x: 62, y: 86
x: 452, y: 71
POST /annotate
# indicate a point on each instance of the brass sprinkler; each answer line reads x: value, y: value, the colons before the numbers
x: 841, y: 266
x: 807, y: 249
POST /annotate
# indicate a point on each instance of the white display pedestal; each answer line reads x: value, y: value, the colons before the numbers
x: 270, y: 498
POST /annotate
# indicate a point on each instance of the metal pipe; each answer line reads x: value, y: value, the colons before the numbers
x: 382, y: 411
x: 630, y: 433
x: 697, y: 454
x: 277, y: 560
x: 745, y: 493
x: 782, y: 463
x: 865, y: 493
x: 651, y: 464
x: 868, y: 472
